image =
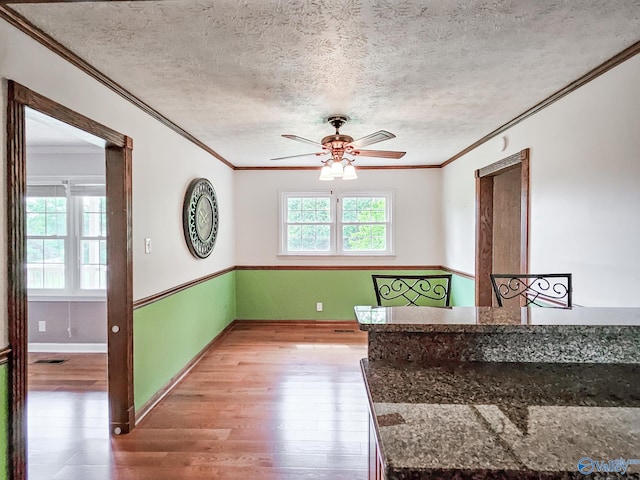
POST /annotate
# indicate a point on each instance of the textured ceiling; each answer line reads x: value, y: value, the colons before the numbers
x: 441, y: 74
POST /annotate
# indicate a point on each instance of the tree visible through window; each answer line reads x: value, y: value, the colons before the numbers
x: 364, y: 224
x: 46, y: 239
x: 310, y: 224
x: 66, y: 230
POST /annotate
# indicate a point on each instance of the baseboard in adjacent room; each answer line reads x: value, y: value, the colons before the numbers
x: 67, y: 348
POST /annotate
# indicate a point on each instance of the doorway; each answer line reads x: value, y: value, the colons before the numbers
x: 502, y: 221
x: 119, y: 264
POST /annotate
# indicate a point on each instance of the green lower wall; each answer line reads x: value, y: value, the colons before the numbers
x: 292, y: 294
x: 463, y: 291
x: 169, y: 333
x: 4, y: 421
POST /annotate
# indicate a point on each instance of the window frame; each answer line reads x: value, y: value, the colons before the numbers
x: 73, y: 240
x: 388, y: 196
x: 284, y: 223
x: 336, y: 223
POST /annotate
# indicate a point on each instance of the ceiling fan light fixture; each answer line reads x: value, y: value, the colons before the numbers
x: 325, y: 173
x: 349, y: 172
x: 336, y: 169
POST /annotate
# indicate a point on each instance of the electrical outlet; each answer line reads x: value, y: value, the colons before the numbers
x: 319, y: 307
x: 42, y: 326
x: 147, y: 245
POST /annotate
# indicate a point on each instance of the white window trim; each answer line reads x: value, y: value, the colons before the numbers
x: 336, y: 223
x: 72, y: 290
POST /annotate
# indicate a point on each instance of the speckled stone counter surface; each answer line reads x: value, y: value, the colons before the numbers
x: 490, y: 420
x: 423, y: 334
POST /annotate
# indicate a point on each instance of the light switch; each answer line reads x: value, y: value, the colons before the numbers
x: 147, y: 245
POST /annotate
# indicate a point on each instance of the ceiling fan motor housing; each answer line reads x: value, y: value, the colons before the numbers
x: 337, y: 121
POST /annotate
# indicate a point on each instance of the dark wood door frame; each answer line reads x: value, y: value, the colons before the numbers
x: 484, y: 221
x: 119, y: 261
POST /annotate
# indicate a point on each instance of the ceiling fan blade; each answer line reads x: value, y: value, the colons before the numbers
x: 303, y: 140
x: 301, y: 155
x: 373, y: 138
x: 379, y: 153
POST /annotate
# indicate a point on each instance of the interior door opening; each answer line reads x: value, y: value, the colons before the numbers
x: 119, y: 282
x: 502, y: 222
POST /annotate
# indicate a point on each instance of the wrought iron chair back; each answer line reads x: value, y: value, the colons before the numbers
x: 417, y: 290
x: 541, y: 290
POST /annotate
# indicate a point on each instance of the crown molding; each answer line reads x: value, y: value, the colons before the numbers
x: 26, y: 27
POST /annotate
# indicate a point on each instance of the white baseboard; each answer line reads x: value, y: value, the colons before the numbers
x: 67, y: 347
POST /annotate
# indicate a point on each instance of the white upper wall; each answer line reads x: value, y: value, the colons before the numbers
x: 163, y: 165
x: 584, y: 187
x: 416, y: 214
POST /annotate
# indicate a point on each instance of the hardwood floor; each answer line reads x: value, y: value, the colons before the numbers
x: 271, y: 401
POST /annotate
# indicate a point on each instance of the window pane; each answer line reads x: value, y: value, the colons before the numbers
x: 349, y: 203
x: 308, y: 216
x: 54, y: 276
x: 36, y: 204
x: 364, y: 238
x: 94, y: 218
x: 349, y: 215
x: 322, y: 203
x: 364, y: 209
x: 90, y: 252
x: 310, y: 238
x: 91, y: 225
x: 35, y: 251
x: 308, y: 204
x: 56, y: 224
x: 36, y: 224
x: 54, y: 251
x: 294, y: 204
x: 34, y: 276
x: 93, y: 277
x: 93, y: 264
x: 103, y: 252
x: 294, y: 238
x: 294, y: 216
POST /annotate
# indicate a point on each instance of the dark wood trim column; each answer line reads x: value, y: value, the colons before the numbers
x: 484, y: 238
x: 16, y: 286
x: 120, y: 287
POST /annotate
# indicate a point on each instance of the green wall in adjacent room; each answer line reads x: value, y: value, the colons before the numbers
x: 463, y: 291
x: 4, y: 421
x: 169, y: 333
x: 293, y: 294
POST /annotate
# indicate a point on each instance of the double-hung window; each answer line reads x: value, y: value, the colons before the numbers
x: 336, y: 224
x: 66, y: 239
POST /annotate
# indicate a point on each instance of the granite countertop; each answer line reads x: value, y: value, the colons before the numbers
x: 495, y: 319
x: 476, y: 420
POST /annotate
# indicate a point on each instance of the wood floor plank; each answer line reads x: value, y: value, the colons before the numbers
x: 271, y: 401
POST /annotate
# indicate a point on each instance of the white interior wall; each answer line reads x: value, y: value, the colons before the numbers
x: 416, y: 214
x: 163, y: 165
x: 43, y: 163
x: 584, y: 187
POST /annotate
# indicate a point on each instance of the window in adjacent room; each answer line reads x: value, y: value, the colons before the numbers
x: 330, y: 224
x: 66, y: 239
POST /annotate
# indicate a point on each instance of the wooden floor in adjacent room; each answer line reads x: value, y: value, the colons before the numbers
x: 271, y: 401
